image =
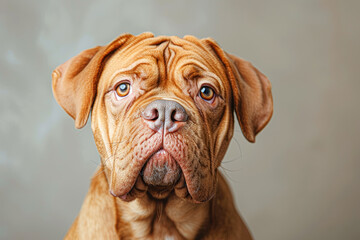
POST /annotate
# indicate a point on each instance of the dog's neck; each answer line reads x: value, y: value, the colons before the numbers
x: 171, y: 218
x: 147, y: 218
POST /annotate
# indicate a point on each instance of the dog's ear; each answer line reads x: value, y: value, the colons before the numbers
x: 74, y: 82
x: 253, y: 99
x: 251, y: 89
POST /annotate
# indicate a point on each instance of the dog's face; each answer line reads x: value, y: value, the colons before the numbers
x: 162, y: 110
x: 168, y: 113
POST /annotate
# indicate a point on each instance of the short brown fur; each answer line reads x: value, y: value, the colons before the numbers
x: 199, y: 205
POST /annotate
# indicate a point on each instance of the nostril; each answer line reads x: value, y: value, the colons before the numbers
x: 151, y: 114
x: 173, y: 119
x: 154, y: 114
x: 178, y: 116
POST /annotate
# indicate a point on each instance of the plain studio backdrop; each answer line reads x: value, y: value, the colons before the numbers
x: 300, y: 180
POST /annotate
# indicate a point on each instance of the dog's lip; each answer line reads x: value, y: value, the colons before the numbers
x: 139, y: 174
x: 159, y: 150
x: 161, y: 170
x: 191, y: 190
x: 150, y: 156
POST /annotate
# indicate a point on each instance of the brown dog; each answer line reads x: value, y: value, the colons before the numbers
x: 162, y: 118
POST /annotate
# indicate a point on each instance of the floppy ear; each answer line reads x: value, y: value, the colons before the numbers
x: 251, y: 89
x: 74, y: 82
x: 253, y: 101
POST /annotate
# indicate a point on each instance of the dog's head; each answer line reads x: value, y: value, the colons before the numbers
x: 162, y: 110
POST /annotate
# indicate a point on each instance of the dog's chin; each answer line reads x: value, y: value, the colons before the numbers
x: 160, y: 173
x: 161, y: 176
x: 161, y: 170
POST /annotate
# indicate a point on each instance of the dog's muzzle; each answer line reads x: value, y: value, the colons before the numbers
x: 167, y: 117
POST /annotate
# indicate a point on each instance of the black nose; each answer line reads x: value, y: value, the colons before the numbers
x: 164, y: 113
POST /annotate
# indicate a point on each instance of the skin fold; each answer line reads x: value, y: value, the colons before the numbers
x: 161, y: 140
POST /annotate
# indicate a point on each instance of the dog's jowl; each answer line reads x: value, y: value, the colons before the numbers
x: 162, y: 114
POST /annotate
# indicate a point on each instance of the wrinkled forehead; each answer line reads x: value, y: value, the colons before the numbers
x: 168, y: 53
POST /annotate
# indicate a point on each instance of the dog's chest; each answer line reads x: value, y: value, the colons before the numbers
x: 164, y: 228
x: 152, y: 220
x: 157, y: 226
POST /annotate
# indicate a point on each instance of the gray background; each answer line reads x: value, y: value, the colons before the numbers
x: 299, y: 181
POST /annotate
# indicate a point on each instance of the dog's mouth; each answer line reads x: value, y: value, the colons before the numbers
x: 161, y: 167
x: 160, y: 173
x: 161, y: 170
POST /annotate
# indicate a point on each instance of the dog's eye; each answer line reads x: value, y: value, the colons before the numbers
x: 123, y: 89
x: 207, y: 93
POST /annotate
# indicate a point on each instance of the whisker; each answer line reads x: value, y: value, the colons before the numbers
x: 239, y: 147
x: 231, y: 160
x: 227, y: 175
x: 230, y: 170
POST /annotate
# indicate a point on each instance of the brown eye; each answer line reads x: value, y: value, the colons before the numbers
x: 207, y: 93
x: 123, y: 89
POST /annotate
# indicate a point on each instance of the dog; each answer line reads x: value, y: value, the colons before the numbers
x: 162, y: 115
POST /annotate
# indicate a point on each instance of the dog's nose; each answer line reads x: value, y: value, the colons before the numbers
x: 164, y: 113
